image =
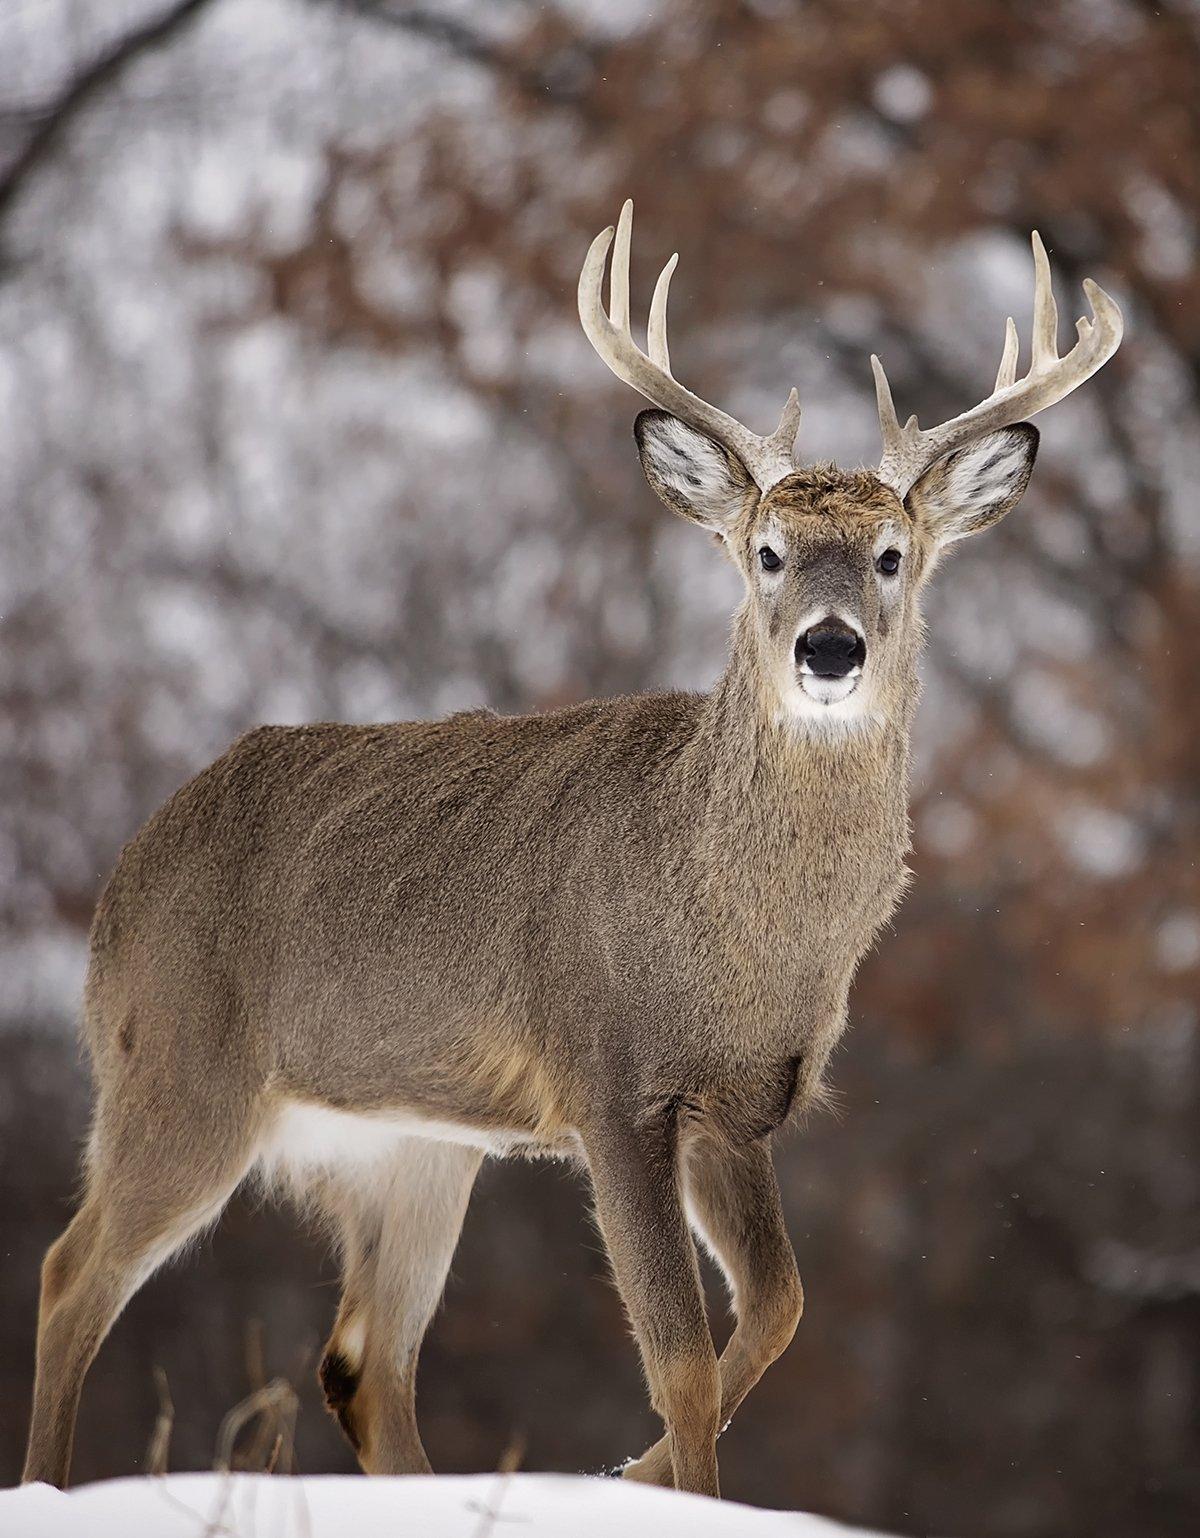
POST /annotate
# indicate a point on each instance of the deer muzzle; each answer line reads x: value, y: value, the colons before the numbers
x: 831, y: 649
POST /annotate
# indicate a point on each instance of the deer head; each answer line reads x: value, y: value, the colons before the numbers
x: 833, y: 561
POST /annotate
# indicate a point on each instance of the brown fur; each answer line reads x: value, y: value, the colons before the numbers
x: 625, y: 930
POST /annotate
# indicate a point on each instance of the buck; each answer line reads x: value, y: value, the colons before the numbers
x: 359, y: 959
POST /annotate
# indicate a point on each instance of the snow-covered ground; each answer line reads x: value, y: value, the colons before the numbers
x: 475, y: 1506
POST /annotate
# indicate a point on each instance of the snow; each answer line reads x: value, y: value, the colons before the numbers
x: 468, y: 1506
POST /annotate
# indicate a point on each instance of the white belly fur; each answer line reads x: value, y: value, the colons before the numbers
x: 307, y: 1139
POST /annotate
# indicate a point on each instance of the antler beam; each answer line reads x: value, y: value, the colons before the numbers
x: 767, y: 459
x: 907, y: 451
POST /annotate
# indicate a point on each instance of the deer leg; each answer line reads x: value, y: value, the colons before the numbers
x: 642, y: 1220
x: 158, y: 1174
x: 399, y: 1236
x: 733, y: 1200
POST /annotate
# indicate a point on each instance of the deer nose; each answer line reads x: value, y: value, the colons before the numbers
x: 830, y: 649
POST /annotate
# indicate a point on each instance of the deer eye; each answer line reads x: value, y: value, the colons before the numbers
x: 770, y: 561
x: 889, y: 562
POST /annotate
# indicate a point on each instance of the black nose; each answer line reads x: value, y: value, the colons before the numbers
x: 831, y: 649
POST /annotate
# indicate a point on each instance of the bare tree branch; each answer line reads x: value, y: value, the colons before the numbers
x: 559, y: 85
x: 93, y: 80
x: 444, y: 30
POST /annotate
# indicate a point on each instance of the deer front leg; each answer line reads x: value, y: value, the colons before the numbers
x: 733, y: 1200
x: 653, y: 1257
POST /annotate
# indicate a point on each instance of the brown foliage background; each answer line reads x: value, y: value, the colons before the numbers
x: 297, y: 423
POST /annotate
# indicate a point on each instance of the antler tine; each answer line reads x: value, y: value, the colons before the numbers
x: 1007, y: 373
x: 789, y: 423
x: 907, y: 451
x: 767, y: 459
x: 1045, y: 311
x: 618, y: 279
x: 889, y: 423
x: 656, y: 326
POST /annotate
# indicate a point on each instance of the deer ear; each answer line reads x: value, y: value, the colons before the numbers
x: 691, y: 473
x: 974, y: 487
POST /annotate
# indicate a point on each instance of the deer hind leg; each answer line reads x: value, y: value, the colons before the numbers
x: 732, y: 1197
x: 400, y: 1223
x: 161, y: 1168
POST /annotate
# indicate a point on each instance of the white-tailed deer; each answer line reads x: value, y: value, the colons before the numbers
x: 360, y: 958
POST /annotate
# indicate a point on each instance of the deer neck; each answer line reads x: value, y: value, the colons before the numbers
x: 793, y: 814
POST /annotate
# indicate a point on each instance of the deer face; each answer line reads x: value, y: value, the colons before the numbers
x: 831, y: 564
x: 833, y: 561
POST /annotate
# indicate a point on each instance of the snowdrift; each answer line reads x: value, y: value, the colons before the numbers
x: 475, y: 1506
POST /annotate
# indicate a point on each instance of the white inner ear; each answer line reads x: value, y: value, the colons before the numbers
x: 695, y: 468
x: 973, y: 485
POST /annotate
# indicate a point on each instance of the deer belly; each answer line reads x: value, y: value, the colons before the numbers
x: 307, y: 1139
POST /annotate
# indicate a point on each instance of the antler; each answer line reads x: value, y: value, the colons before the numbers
x: 907, y: 451
x: 767, y: 459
